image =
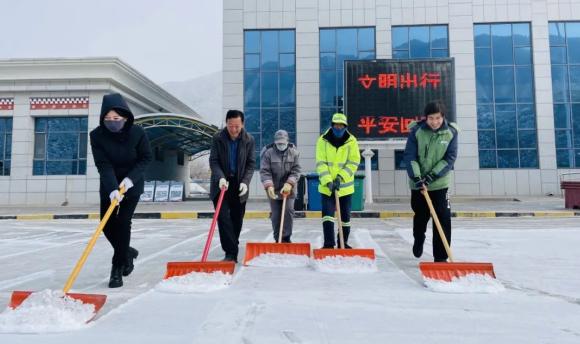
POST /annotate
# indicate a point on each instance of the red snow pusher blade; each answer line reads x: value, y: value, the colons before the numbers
x: 183, y: 268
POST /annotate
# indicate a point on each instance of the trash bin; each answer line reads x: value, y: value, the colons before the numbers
x: 357, y: 197
x: 571, y: 194
x: 314, y: 199
x: 299, y: 203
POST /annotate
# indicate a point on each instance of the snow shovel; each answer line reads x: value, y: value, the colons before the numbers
x: 254, y: 249
x: 95, y: 299
x: 446, y: 271
x: 345, y: 252
x: 183, y: 268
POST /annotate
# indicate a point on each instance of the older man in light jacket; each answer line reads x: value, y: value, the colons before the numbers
x: 279, y: 173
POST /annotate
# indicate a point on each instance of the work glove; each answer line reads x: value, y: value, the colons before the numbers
x: 127, y: 183
x: 243, y: 189
x: 429, y: 178
x: 271, y: 193
x: 286, y: 189
x: 223, y: 183
x: 336, y: 184
x: 418, y: 182
x: 115, y: 194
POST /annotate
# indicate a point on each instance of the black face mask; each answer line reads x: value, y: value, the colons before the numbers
x: 114, y: 126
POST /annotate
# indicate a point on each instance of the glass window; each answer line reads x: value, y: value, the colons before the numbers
x: 501, y: 44
x: 439, y: 37
x: 565, y: 60
x: 60, y: 146
x: 400, y: 160
x: 366, y: 39
x: 481, y: 35
x: 400, y: 35
x: 420, y: 41
x: 503, y: 84
x: 5, y: 145
x: 506, y: 117
x: 557, y: 34
x: 486, y: 139
x: 573, y: 41
x: 484, y: 82
x: 269, y: 84
x: 336, y: 46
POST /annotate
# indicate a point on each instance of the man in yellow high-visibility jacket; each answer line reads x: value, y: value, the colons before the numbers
x: 337, y: 159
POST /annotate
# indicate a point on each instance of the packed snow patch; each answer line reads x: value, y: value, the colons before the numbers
x: 195, y: 282
x: 347, y: 265
x: 280, y: 260
x: 470, y: 283
x: 46, y: 311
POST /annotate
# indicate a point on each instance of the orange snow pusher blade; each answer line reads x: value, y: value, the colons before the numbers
x: 448, y: 271
x: 254, y: 249
x: 344, y: 252
x: 95, y: 299
x: 184, y: 268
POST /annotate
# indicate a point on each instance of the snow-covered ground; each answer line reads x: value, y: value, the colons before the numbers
x: 536, y: 260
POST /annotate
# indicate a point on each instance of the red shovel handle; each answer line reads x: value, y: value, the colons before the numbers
x: 213, y: 223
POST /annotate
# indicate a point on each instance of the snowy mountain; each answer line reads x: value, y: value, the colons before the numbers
x: 203, y: 94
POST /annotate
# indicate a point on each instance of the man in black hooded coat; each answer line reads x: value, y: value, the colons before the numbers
x: 121, y: 151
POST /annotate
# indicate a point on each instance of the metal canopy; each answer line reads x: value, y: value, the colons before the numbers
x: 177, y: 132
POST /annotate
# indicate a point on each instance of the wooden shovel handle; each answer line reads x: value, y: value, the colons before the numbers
x: 438, y: 225
x: 81, y: 262
x: 281, y: 228
x: 339, y: 220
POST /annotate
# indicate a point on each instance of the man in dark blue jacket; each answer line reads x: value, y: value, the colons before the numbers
x: 121, y: 152
x: 232, y: 162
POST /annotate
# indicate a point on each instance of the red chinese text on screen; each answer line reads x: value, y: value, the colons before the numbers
x: 406, y: 80
x: 373, y: 125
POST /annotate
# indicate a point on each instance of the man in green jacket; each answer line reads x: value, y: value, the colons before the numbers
x: 430, y: 153
x: 337, y: 159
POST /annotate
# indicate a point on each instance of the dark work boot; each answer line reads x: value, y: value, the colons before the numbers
x: 418, y: 246
x: 328, y: 229
x: 230, y: 258
x: 116, y: 279
x: 129, y: 266
x: 286, y: 239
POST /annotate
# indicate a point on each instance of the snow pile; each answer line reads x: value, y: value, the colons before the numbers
x: 470, y: 283
x: 340, y: 264
x: 280, y: 260
x: 46, y: 311
x: 195, y: 282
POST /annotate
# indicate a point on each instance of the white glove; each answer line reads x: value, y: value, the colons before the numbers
x: 127, y: 183
x: 223, y: 183
x: 271, y: 193
x: 116, y: 195
x: 243, y: 189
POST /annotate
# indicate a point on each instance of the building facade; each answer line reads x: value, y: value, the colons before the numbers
x: 47, y: 109
x: 517, y: 80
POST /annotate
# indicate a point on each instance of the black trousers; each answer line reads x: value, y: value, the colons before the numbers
x: 118, y: 228
x: 230, y: 219
x: 440, y: 200
x: 328, y: 210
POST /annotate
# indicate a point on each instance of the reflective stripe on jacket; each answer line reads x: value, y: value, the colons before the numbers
x: 332, y: 161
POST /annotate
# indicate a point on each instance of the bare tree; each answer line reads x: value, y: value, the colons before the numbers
x: 199, y: 168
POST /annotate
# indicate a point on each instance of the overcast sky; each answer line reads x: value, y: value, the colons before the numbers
x: 166, y: 40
